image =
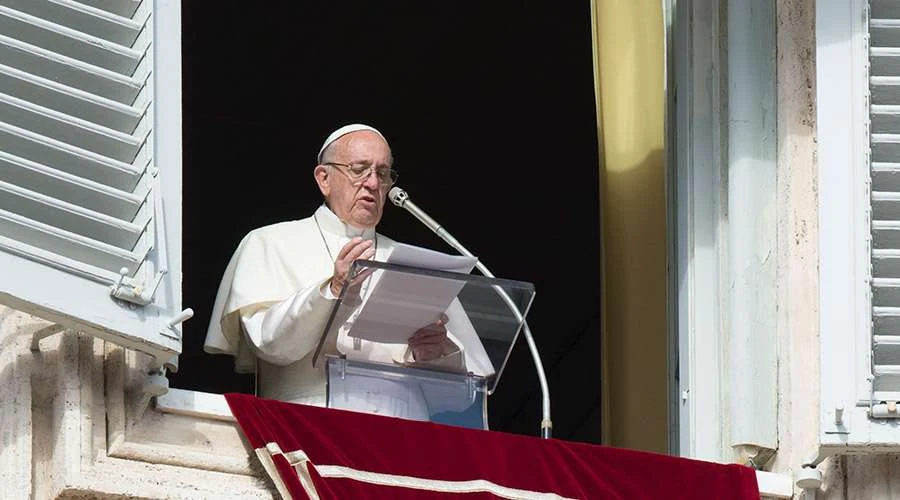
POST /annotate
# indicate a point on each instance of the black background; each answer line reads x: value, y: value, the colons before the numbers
x: 489, y: 109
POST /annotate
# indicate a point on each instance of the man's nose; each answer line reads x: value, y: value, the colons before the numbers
x: 371, y: 180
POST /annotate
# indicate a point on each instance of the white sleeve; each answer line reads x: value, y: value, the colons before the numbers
x: 290, y: 329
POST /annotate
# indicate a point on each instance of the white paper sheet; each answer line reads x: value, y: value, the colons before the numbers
x: 408, y: 255
x: 399, y: 304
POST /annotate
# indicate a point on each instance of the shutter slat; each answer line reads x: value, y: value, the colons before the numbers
x: 69, y: 71
x: 886, y: 118
x: 74, y: 246
x: 96, y: 22
x: 886, y: 234
x: 885, y: 320
x: 884, y: 33
x: 885, y: 95
x: 69, y: 100
x: 886, y: 263
x: 886, y: 176
x: 885, y: 292
x: 125, y: 8
x: 887, y: 383
x: 70, y: 188
x: 885, y: 61
x: 69, y: 42
x: 72, y: 159
x: 885, y: 206
x: 885, y: 147
x: 887, y: 349
x: 882, y: 9
x: 70, y: 217
x: 68, y: 129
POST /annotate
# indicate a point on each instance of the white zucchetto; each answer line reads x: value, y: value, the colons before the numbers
x: 346, y: 129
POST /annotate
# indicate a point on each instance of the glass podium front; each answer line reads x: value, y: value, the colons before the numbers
x: 371, y: 367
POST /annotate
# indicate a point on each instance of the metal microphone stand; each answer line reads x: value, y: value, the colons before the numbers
x: 400, y: 198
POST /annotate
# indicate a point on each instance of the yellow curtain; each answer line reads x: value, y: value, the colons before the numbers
x: 629, y: 81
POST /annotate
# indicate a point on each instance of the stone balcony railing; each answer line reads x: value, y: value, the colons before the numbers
x: 75, y: 423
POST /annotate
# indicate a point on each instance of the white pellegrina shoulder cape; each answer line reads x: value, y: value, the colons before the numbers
x: 276, y: 263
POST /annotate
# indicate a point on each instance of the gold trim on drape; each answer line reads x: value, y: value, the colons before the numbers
x: 629, y: 84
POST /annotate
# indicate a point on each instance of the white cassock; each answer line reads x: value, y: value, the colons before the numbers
x: 273, y: 304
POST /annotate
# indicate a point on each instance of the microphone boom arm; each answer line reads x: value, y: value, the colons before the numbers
x: 401, y: 199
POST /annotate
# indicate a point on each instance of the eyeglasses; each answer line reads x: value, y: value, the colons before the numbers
x: 358, y: 173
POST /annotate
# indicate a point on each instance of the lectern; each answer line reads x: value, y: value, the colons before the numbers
x: 368, y: 362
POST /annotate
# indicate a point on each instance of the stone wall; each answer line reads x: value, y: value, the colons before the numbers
x: 872, y: 476
x: 798, y: 311
x: 74, y: 423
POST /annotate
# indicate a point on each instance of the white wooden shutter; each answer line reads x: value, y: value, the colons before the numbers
x: 884, y: 133
x: 90, y: 166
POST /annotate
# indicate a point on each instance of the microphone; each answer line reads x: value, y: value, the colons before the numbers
x: 400, y: 198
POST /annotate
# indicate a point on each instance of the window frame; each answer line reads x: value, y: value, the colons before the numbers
x: 695, y: 122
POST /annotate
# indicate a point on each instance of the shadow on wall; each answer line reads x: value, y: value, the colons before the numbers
x: 22, y: 370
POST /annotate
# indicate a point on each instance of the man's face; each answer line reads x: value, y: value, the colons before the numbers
x: 359, y: 205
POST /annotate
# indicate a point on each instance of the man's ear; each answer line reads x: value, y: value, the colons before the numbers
x: 321, y: 175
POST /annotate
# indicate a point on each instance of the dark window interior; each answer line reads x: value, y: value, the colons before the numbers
x: 489, y: 109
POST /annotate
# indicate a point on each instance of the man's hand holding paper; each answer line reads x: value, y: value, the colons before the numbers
x: 431, y: 342
x: 400, y: 304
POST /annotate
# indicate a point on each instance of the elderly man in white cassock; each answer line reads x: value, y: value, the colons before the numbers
x: 279, y: 287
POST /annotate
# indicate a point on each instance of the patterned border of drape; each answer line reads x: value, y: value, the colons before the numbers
x: 320, y: 453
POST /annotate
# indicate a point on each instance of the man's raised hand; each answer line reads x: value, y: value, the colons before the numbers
x: 356, y: 249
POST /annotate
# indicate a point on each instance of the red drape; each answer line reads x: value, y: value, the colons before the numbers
x: 354, y: 455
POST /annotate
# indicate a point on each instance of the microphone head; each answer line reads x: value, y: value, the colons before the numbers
x: 398, y: 196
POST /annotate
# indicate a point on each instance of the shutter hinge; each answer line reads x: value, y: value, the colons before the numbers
x: 881, y: 408
x: 139, y: 294
x: 885, y: 410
